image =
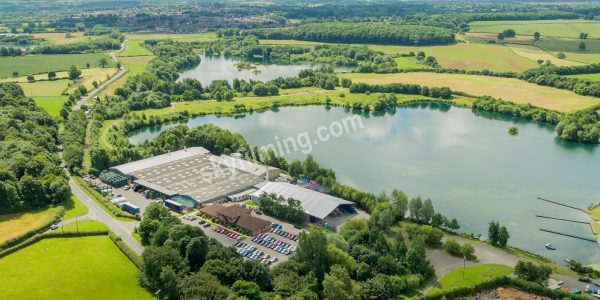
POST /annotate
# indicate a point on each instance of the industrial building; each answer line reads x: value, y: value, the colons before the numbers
x: 193, y: 176
x: 235, y: 215
x: 316, y: 205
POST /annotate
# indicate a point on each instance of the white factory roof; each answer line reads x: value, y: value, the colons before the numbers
x: 241, y: 164
x: 159, y: 160
x: 314, y: 203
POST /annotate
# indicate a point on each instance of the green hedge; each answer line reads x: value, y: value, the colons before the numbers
x: 33, y: 239
x: 134, y: 257
x: 66, y: 234
x: 503, y: 281
x: 44, y: 227
x: 111, y: 207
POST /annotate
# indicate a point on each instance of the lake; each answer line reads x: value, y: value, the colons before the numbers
x: 221, y: 67
x: 466, y: 162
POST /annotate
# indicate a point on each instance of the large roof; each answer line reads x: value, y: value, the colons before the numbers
x: 314, y: 203
x: 135, y: 166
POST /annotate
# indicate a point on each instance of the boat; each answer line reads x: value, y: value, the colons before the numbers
x: 549, y: 246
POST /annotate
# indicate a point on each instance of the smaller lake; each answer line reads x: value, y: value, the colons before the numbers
x: 223, y: 68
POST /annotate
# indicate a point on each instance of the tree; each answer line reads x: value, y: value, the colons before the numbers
x: 399, y: 204
x: 503, y: 237
x: 536, y: 35
x: 260, y: 89
x: 533, y: 273
x: 437, y: 220
x: 30, y: 78
x: 74, y: 73
x: 202, y: 286
x: 196, y: 252
x: 103, y: 62
x: 500, y: 36
x: 51, y: 75
x: 494, y: 233
x: 561, y: 55
x: 73, y: 156
x: 582, y: 46
x: 247, y: 289
x: 414, y: 208
x: 583, y: 36
x: 427, y: 211
x: 454, y: 225
x: 312, y: 251
x: 338, y: 285
x: 15, y: 74
x: 168, y: 283
x: 154, y: 259
x: 295, y: 168
x: 375, y: 288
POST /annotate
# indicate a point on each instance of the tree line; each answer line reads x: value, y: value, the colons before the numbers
x: 30, y: 172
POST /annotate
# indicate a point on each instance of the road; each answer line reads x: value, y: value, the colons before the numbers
x: 122, y: 71
x: 95, y: 212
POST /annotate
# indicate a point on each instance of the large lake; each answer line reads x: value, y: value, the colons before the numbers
x: 466, y: 162
x: 221, y: 67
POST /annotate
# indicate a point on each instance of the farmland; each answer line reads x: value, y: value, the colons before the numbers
x: 534, y: 53
x: 550, y: 28
x: 134, y: 48
x: 476, y: 85
x: 70, y: 268
x: 179, y: 37
x: 61, y: 38
x: 36, y: 64
x: 14, y: 225
x: 51, y: 104
x: 592, y: 77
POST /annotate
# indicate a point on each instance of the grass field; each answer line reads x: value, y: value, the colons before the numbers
x: 134, y: 48
x: 595, y: 212
x: 36, y: 64
x: 289, y: 42
x: 46, y: 88
x: 568, y: 45
x: 70, y: 268
x: 472, y: 275
x: 74, y: 208
x: 134, y: 65
x: 14, y: 225
x: 88, y: 76
x: 553, y: 28
x: 60, y: 37
x: 179, y: 37
x: 485, y: 37
x: 587, y: 58
x: 409, y: 63
x: 509, y: 89
x: 592, y: 77
x: 51, y: 104
x: 535, y: 53
x: 84, y: 225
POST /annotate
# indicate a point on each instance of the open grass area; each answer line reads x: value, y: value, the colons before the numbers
x: 51, y: 104
x: 509, y: 89
x: 468, y: 56
x: 485, y: 37
x: 587, y: 58
x: 45, y: 88
x: 592, y: 77
x: 88, y: 76
x: 14, y: 225
x: 409, y: 63
x: 595, y: 212
x: 134, y: 65
x: 179, y: 37
x: 472, y: 275
x: 36, y: 64
x: 289, y: 42
x: 134, y: 48
x: 553, y: 28
x: 74, y: 208
x: 70, y: 268
x: 535, y: 53
x: 568, y: 45
x: 60, y: 38
x: 84, y: 225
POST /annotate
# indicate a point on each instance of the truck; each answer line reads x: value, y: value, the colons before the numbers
x: 130, y: 208
x: 174, y: 205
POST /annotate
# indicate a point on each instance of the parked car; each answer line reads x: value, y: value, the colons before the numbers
x: 585, y: 279
x: 54, y: 227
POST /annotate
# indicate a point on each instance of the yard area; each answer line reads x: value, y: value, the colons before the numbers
x: 472, y: 275
x: 509, y: 89
x: 70, y: 268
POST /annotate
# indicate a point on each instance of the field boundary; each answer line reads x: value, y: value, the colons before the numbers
x: 28, y: 235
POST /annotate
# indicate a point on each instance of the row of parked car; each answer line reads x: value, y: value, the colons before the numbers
x: 268, y: 241
x: 276, y: 229
x: 227, y: 233
x: 252, y: 252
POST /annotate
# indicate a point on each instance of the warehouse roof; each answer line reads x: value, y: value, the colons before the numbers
x: 314, y: 203
x: 159, y: 160
x: 156, y: 187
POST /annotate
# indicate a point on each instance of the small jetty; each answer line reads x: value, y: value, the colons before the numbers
x: 561, y: 219
x: 565, y: 205
x: 569, y: 235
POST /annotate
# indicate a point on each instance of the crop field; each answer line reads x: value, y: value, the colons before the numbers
x: 484, y: 37
x: 36, y: 64
x: 468, y: 56
x: 134, y: 48
x: 535, y: 53
x: 509, y: 89
x: 472, y: 275
x: 179, y: 37
x: 587, y: 58
x: 70, y: 268
x: 553, y: 28
x: 61, y: 38
x: 13, y: 225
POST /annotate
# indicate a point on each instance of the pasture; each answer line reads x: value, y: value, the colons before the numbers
x: 591, y: 77
x: 586, y: 58
x: 535, y: 53
x: 45, y: 88
x: 179, y: 37
x: 60, y: 38
x: 14, y: 225
x: 509, y: 89
x: 134, y: 48
x: 51, y: 104
x: 36, y: 64
x: 70, y: 268
x: 472, y: 275
x: 568, y: 45
x: 485, y: 37
x: 549, y: 28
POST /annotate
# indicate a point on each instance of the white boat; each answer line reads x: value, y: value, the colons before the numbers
x: 549, y: 246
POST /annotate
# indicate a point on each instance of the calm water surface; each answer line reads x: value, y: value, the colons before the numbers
x: 220, y: 67
x: 465, y: 162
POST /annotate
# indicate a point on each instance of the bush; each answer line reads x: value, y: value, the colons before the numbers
x: 30, y: 241
x: 134, y: 257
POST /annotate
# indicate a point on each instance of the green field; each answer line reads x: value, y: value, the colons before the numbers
x: 134, y: 48
x: 84, y: 225
x: 70, y: 268
x: 45, y: 88
x: 179, y: 37
x: 568, y: 45
x: 134, y: 65
x: 36, y: 64
x: 550, y: 28
x: 510, y: 89
x: 409, y: 63
x: 534, y: 53
x: 51, y: 104
x: 74, y: 208
x: 592, y: 77
x: 472, y: 275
